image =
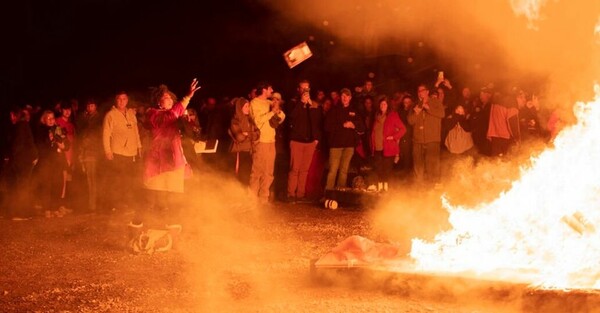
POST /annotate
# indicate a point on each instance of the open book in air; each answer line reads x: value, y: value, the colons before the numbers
x: 297, y: 54
x: 208, y: 146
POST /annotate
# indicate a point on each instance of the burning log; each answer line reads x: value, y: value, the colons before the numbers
x: 578, y: 223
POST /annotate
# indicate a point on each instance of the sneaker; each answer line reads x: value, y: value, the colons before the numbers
x: 135, y: 225
x: 289, y: 199
x: 64, y: 210
x: 175, y: 230
x: 303, y: 200
x: 169, y: 226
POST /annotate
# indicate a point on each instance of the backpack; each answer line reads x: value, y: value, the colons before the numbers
x: 458, y: 140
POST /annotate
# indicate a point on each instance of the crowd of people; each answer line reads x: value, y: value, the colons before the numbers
x: 290, y: 150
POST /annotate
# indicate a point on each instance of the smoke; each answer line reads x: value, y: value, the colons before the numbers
x: 505, y: 42
x: 219, y: 243
x: 480, y: 41
x: 411, y: 212
x: 529, y: 9
x: 548, y: 46
x: 232, y: 265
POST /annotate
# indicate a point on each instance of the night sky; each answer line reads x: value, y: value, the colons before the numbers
x: 93, y: 48
x: 64, y: 49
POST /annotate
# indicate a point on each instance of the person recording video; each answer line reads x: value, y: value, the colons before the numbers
x: 426, y: 119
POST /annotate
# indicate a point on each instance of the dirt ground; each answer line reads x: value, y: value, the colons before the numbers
x: 241, y: 259
x: 235, y: 256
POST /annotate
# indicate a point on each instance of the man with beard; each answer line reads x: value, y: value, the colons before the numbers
x: 263, y: 157
x: 305, y: 133
x: 426, y: 120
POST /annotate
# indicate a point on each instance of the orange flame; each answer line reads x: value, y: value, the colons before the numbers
x: 543, y: 230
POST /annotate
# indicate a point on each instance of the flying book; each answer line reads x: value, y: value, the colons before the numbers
x: 209, y: 146
x: 297, y: 54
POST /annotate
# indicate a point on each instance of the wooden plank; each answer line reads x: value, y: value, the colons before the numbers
x: 455, y: 289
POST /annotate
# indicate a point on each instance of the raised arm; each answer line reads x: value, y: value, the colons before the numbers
x: 193, y: 88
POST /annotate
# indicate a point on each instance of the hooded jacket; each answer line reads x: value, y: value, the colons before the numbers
x: 240, y: 124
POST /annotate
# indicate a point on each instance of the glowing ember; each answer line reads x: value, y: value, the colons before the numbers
x: 542, y: 230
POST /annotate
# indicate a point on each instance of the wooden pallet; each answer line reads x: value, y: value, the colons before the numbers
x: 452, y: 289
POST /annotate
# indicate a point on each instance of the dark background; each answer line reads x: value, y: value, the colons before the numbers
x: 93, y: 48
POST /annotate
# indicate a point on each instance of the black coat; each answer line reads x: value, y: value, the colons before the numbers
x: 22, y: 147
x: 337, y: 135
x: 305, y: 122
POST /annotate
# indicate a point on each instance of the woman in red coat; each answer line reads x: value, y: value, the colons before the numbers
x: 165, y: 164
x: 385, y: 135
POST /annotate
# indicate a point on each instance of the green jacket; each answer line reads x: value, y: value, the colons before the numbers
x: 427, y: 125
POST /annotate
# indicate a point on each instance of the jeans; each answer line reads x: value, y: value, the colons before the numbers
x: 383, y: 166
x: 426, y: 160
x: 124, y: 182
x: 92, y: 182
x: 301, y: 157
x: 339, y: 160
x: 263, y: 164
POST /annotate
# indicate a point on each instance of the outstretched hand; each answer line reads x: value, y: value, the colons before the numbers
x: 193, y: 88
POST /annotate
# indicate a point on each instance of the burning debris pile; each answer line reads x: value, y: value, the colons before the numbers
x: 543, y: 230
x: 535, y: 240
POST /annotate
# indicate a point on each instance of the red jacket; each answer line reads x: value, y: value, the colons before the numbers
x: 392, y: 126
